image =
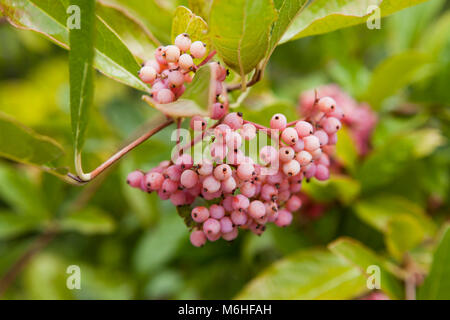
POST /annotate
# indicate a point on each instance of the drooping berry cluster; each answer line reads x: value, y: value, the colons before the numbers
x: 246, y: 194
x: 174, y: 66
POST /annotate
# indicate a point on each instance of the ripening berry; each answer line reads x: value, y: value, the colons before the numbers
x: 240, y: 202
x: 226, y: 225
x: 290, y: 136
x: 286, y: 154
x: 322, y: 136
x: 173, y: 173
x: 248, y: 131
x: 153, y: 181
x: 175, y: 78
x: 211, y: 226
x: 322, y: 172
x: 169, y: 186
x: 198, y: 49
x: 248, y: 189
x: 185, y: 62
x: 291, y: 168
x: 222, y: 172
x: 178, y: 198
x: 197, y: 238
x: 183, y: 42
x: 198, y: 123
x: 245, y: 171
x: 218, y: 111
x: 238, y: 217
x: 311, y: 143
x: 216, y: 211
x: 164, y: 96
x: 189, y: 179
x: 234, y: 120
x: 331, y: 125
x: 205, y: 168
x: 304, y: 158
x: 268, y: 154
x: 147, y: 74
x: 230, y: 236
x: 229, y: 185
x: 171, y: 53
x: 134, y: 178
x: 200, y: 214
x: 284, y: 218
x: 326, y: 104
x: 257, y: 209
x: 210, y: 184
x: 278, y: 121
x: 184, y: 161
x: 304, y: 129
x: 293, y: 204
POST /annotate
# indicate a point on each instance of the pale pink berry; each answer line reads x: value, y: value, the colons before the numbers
x: 337, y: 113
x: 200, y: 214
x: 234, y: 120
x: 163, y: 195
x: 324, y: 159
x: 175, y: 78
x: 322, y: 136
x: 291, y: 168
x: 221, y: 132
x: 185, y: 62
x: 197, y: 238
x: 290, y: 136
x: 222, y: 172
x: 332, y: 139
x: 299, y: 145
x: 233, y: 140
x: 284, y: 195
x: 171, y: 53
x: 213, y: 237
x: 216, y: 211
x: 160, y: 57
x: 147, y: 74
x: 183, y: 42
x: 310, y: 171
x: 235, y: 157
x: 268, y: 154
x: 218, y: 111
x: 205, y: 167
x: 230, y: 236
x: 316, y: 154
x: 238, y: 217
x: 322, y: 172
x: 154, y: 64
x: 257, y: 209
x: 164, y: 96
x: 135, y: 178
x: 304, y: 158
x: 173, y: 172
x: 248, y: 189
x: 284, y: 218
x: 229, y: 185
x: 211, y: 195
x: 331, y: 125
x: 293, y: 204
x: 296, y: 187
x: 278, y: 121
x: 226, y: 225
x: 188, y: 179
x: 210, y: 184
x: 248, y: 131
x: 198, y: 49
x: 169, y: 186
x: 304, y: 128
x: 211, y: 226
x: 326, y: 104
x: 240, y: 202
x: 276, y: 178
x: 311, y: 143
x: 245, y: 171
x: 198, y: 123
x: 184, y: 161
x: 178, y: 198
x: 153, y: 181
x: 286, y: 154
x: 268, y: 192
x: 218, y: 151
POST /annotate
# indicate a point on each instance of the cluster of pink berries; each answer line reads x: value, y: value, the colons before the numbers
x: 174, y: 66
x: 359, y: 117
x: 247, y: 195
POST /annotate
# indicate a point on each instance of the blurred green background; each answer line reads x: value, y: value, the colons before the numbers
x: 130, y: 245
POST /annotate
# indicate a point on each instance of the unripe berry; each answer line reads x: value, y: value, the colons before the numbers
x: 291, y: 168
x: 185, y: 62
x: 164, y: 96
x: 198, y: 49
x: 188, y: 179
x: 286, y: 154
x: 248, y: 131
x: 153, y: 181
x: 197, y: 238
x: 311, y: 143
x: 171, y: 53
x: 200, y: 214
x: 290, y: 136
x: 257, y: 209
x: 147, y: 74
x: 304, y: 129
x: 211, y: 226
x: 198, y: 123
x: 222, y: 172
x: 278, y: 121
x: 135, y: 178
x: 183, y: 42
x: 304, y: 158
x: 234, y: 120
x: 326, y: 104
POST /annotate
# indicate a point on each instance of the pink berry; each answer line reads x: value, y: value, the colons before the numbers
x: 159, y: 56
x: 238, y: 217
x: 226, y: 225
x: 171, y: 53
x: 248, y: 131
x: 229, y: 185
x: 147, y: 74
x: 134, y: 179
x: 311, y: 143
x: 245, y: 171
x: 185, y: 62
x: 200, y: 214
x: 331, y: 125
x: 322, y: 172
x: 293, y: 204
x: 173, y: 173
x: 304, y: 129
x: 310, y: 171
x: 218, y: 111
x: 205, y: 167
x: 286, y: 154
x: 322, y: 136
x: 268, y: 154
x: 268, y: 192
x: 178, y: 198
x: 154, y: 180
x: 183, y: 42
x: 169, y: 186
x: 248, y: 189
x: 164, y: 96
x: 326, y: 104
x: 222, y: 172
x: 184, y: 161
x: 299, y: 145
x: 235, y: 157
x: 240, y: 202
x: 218, y: 151
x: 154, y: 64
x: 198, y: 123
x: 332, y: 139
x: 211, y: 226
x: 304, y: 158
x: 230, y: 236
x: 257, y: 209
x: 198, y: 49
x: 227, y: 203
x: 197, y: 238
x: 291, y: 168
x: 284, y: 218
x: 290, y: 136
x: 188, y: 179
x: 234, y: 120
x: 278, y: 121
x: 211, y: 185
x: 316, y: 154
x: 216, y: 211
x: 324, y: 159
x: 175, y: 78
x: 233, y: 140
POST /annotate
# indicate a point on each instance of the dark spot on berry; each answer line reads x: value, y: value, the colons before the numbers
x: 287, y: 152
x: 221, y: 106
x: 307, y: 180
x: 240, y: 114
x: 277, y: 117
x: 310, y: 132
x: 195, y: 215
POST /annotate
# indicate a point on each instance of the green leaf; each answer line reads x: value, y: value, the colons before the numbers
x: 378, y: 211
x: 362, y: 257
x: 323, y: 16
x: 185, y: 21
x: 198, y: 98
x: 13, y: 225
x: 404, y: 233
x: 306, y: 275
x: 407, y: 67
x: 22, y: 194
x: 50, y: 19
x: 437, y: 283
x: 201, y: 7
x: 22, y: 144
x: 338, y: 187
x: 346, y: 150
x: 88, y: 221
x: 81, y: 57
x: 240, y: 32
